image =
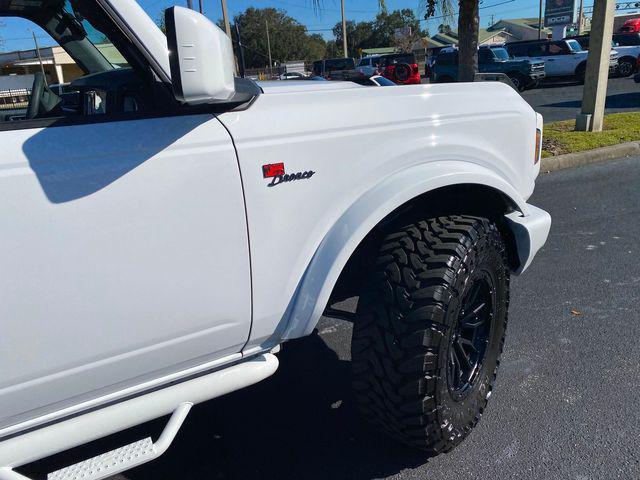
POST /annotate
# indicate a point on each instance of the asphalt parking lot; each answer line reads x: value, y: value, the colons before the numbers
x: 566, y: 402
x: 562, y: 100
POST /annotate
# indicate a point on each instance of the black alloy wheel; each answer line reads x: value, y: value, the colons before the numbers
x: 470, y: 338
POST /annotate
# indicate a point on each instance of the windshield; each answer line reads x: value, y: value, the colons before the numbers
x: 501, y: 54
x: 574, y: 46
x: 74, y: 25
x: 384, y: 82
x: 98, y: 39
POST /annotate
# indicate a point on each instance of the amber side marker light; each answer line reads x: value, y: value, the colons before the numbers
x: 538, y: 146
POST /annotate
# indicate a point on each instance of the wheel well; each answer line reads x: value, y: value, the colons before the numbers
x: 467, y: 199
x: 628, y: 58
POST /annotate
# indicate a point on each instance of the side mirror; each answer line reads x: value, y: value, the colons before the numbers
x: 200, y: 56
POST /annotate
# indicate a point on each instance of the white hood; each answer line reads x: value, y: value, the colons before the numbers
x: 289, y: 86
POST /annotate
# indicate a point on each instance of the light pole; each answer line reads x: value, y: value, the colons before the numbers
x: 268, y: 47
x: 225, y: 17
x: 540, y: 21
x: 344, y: 31
x: 580, y: 16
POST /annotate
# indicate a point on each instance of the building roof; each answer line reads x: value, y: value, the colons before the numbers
x: 378, y: 51
x: 433, y: 43
x: 450, y: 38
x: 531, y: 23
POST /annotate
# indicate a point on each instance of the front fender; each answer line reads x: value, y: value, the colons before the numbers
x: 364, y: 214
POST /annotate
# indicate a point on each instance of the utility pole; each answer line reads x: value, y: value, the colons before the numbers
x: 540, y: 21
x: 597, y: 74
x: 580, y: 16
x: 266, y: 23
x: 225, y: 17
x: 344, y: 31
x: 240, y: 51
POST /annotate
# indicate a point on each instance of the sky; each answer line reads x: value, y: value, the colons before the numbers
x: 17, y: 34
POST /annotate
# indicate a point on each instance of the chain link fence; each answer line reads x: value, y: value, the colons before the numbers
x: 14, y: 99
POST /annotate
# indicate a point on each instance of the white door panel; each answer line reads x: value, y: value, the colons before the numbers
x: 124, y: 257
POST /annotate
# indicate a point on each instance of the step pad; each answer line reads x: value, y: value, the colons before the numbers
x: 109, y: 463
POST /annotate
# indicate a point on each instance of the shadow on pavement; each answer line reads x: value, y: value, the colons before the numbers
x: 553, y: 83
x: 298, y: 424
x: 621, y: 100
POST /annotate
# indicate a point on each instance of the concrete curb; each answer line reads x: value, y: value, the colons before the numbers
x: 560, y: 162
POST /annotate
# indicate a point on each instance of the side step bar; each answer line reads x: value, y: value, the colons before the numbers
x: 178, y: 398
x: 129, y: 456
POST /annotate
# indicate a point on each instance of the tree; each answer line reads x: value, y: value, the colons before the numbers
x: 160, y: 23
x: 468, y: 26
x: 404, y: 42
x: 386, y: 24
x: 359, y: 35
x: 289, y: 39
x: 380, y: 32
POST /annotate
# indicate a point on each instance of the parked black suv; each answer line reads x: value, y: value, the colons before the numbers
x: 327, y: 67
x: 491, y: 59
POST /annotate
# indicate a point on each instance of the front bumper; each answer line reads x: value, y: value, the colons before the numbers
x: 535, y: 77
x: 530, y: 231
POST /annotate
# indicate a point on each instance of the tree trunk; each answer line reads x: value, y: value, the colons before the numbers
x: 468, y: 24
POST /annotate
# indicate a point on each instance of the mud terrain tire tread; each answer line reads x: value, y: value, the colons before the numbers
x: 402, y: 325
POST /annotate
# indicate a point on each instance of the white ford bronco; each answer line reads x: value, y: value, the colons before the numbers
x: 167, y: 226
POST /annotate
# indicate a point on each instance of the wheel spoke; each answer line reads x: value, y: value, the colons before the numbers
x: 468, y: 343
x: 477, y: 310
x: 462, y: 356
x: 469, y: 340
x: 473, y: 295
x: 454, y: 367
x: 468, y: 320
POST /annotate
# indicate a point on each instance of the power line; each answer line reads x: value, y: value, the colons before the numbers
x: 455, y: 14
x: 311, y: 7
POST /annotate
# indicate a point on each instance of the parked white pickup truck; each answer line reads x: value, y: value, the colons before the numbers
x: 166, y: 227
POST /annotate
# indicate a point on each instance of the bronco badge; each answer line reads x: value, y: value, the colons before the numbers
x: 275, y: 171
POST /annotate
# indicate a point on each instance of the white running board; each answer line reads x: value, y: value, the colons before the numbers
x: 109, y: 463
x: 124, y: 458
x: 178, y: 398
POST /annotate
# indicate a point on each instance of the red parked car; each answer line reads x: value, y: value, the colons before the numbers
x: 401, y: 68
x: 630, y: 26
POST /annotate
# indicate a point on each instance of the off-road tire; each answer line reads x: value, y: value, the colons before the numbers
x: 519, y: 81
x: 407, y: 317
x: 626, y: 67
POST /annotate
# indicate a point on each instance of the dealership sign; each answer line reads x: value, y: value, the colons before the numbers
x: 560, y: 12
